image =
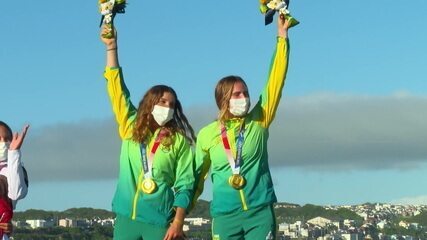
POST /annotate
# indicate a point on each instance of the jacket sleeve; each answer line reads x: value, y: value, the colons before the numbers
x: 123, y: 108
x: 272, y: 92
x: 202, y: 165
x: 184, y: 175
x: 17, y: 188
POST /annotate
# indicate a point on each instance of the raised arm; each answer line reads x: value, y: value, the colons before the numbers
x: 117, y: 90
x: 17, y: 187
x: 111, y: 47
x: 282, y: 27
x: 272, y: 93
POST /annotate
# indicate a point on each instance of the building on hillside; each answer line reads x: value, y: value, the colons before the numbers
x: 39, y: 223
x: 320, y: 221
x: 304, y: 232
x: 408, y: 238
x: 404, y: 224
x: 285, y: 205
x: 295, y: 230
x: 417, y: 212
x: 197, y: 221
x: 349, y: 223
x: 20, y: 224
x: 196, y: 224
x: 414, y: 226
x: 382, y: 224
x: 82, y: 223
x: 326, y: 237
x: 352, y: 236
x: 338, y: 224
x: 107, y: 222
x: 283, y: 227
x: 66, y: 222
x: 290, y: 235
x: 364, y: 215
x: 315, y: 231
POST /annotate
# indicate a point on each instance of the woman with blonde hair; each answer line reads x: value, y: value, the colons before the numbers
x: 234, y: 147
x: 156, y: 162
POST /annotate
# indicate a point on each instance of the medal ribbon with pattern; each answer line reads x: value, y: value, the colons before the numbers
x: 148, y: 185
x: 236, y: 180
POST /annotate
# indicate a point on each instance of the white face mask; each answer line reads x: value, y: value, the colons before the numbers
x: 239, y: 107
x: 4, y: 147
x: 162, y: 115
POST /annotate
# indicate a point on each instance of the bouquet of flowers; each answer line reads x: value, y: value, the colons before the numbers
x: 270, y: 7
x: 108, y: 10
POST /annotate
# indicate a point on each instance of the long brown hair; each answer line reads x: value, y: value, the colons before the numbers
x: 223, y: 93
x: 144, y: 122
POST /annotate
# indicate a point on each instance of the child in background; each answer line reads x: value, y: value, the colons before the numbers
x: 13, y: 176
x: 6, y: 211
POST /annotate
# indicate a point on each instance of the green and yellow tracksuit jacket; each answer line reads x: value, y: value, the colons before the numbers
x: 172, y: 170
x: 210, y: 153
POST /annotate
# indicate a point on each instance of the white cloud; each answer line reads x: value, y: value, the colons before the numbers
x: 316, y: 132
x: 417, y: 200
x: 350, y: 132
x: 84, y: 150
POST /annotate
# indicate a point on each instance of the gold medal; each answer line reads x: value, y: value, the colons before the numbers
x: 148, y: 186
x: 237, y: 181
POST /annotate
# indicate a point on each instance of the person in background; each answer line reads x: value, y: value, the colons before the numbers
x: 156, y: 177
x: 13, y: 176
x: 234, y: 148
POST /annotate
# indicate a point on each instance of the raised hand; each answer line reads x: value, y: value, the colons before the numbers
x: 282, y: 26
x: 111, y: 45
x: 18, y: 139
x: 112, y: 41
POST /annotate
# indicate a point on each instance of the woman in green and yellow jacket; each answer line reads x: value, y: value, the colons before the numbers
x: 156, y: 175
x: 234, y: 148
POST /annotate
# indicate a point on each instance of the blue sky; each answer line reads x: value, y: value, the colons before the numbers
x: 350, y: 127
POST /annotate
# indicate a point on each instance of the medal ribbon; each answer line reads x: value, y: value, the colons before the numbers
x: 234, y: 163
x: 147, y: 162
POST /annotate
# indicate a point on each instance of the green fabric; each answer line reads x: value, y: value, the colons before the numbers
x: 126, y: 229
x: 173, y: 169
x: 257, y: 223
x: 210, y: 153
x: 292, y: 21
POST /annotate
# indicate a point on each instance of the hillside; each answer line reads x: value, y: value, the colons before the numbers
x: 201, y: 210
x: 285, y: 212
x: 309, y: 211
x: 421, y: 219
x: 72, y: 213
